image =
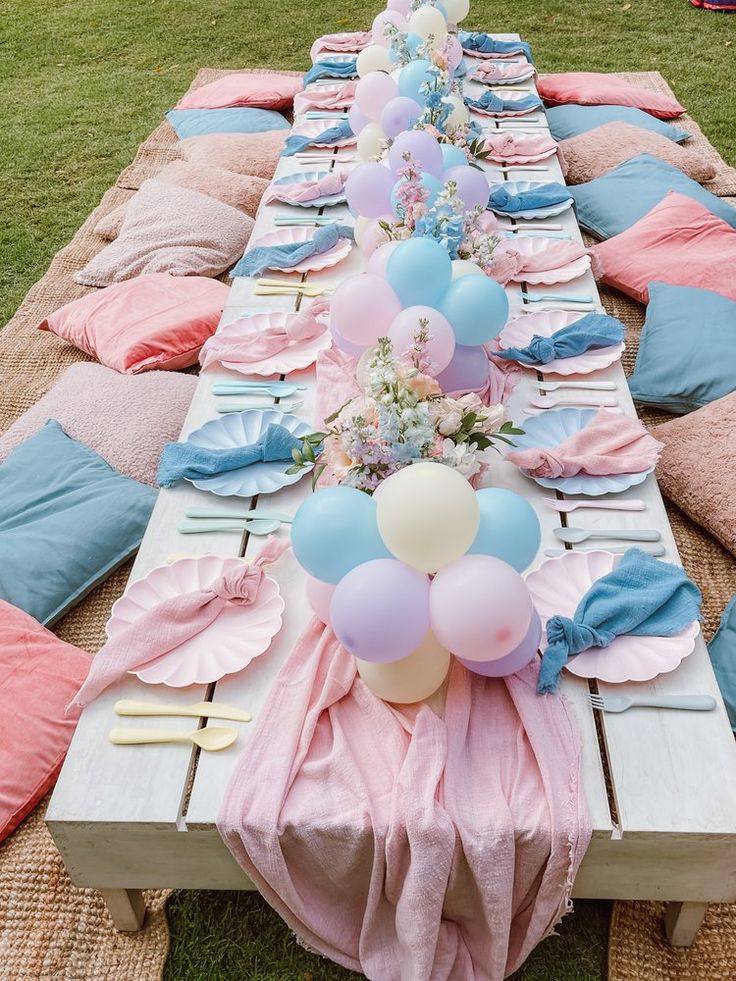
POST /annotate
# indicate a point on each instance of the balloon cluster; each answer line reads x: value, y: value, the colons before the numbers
x: 426, y: 568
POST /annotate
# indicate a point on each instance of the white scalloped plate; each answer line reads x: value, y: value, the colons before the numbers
x: 510, y: 74
x: 325, y: 201
x: 557, y: 587
x: 504, y: 113
x: 550, y: 428
x: 518, y: 333
x: 227, y: 645
x: 293, y: 358
x: 493, y: 54
x: 241, y: 429
x: 516, y: 187
x: 312, y: 128
x: 315, y: 263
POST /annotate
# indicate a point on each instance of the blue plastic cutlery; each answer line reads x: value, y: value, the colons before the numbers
x: 277, y: 388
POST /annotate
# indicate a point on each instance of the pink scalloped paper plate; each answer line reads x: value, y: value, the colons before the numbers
x: 230, y: 642
x: 293, y: 358
x: 315, y: 127
x: 502, y: 73
x: 518, y: 333
x: 315, y: 263
x: 557, y: 587
x: 552, y: 252
x: 521, y: 158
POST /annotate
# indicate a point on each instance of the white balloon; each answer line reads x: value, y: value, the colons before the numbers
x: 457, y: 10
x: 459, y: 114
x: 374, y: 58
x: 359, y: 229
x: 428, y: 22
x: 370, y: 141
x: 461, y: 267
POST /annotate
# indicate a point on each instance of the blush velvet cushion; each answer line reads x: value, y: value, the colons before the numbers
x: 678, y: 242
x: 243, y: 153
x: 598, y: 88
x: 39, y: 675
x: 155, y: 321
x: 264, y: 90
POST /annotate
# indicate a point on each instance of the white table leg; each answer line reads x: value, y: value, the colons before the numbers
x: 127, y: 908
x: 682, y: 922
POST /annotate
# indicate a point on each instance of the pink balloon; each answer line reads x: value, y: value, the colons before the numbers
x: 373, y: 91
x: 453, y: 52
x: 357, y: 119
x: 472, y: 186
x: 480, y: 608
x: 352, y: 350
x: 401, y: 6
x: 398, y: 115
x: 389, y: 16
x: 377, y: 262
x: 441, y: 345
x: 368, y: 189
x: 424, y: 150
x: 319, y: 596
x: 373, y: 238
x: 363, y: 308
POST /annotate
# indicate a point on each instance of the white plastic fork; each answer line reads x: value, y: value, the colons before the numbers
x: 621, y: 703
x: 564, y: 507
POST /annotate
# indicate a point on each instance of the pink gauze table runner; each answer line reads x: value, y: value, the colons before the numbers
x: 405, y: 845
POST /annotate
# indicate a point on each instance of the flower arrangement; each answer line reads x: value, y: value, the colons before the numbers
x: 401, y: 417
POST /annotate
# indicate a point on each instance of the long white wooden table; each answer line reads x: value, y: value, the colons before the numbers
x: 126, y: 819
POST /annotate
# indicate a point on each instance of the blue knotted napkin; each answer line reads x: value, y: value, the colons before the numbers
x: 485, y: 44
x: 296, y: 143
x: 263, y: 257
x: 722, y: 650
x: 332, y: 68
x: 543, y: 196
x: 641, y: 596
x: 187, y: 461
x: 593, y: 331
x: 490, y: 102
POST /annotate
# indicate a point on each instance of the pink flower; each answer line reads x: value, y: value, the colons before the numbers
x: 423, y: 386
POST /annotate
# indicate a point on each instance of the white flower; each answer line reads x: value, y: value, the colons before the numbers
x: 461, y: 458
x: 494, y: 416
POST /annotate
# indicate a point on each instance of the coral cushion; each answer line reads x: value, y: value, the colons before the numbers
x: 567, y: 121
x: 678, y: 242
x: 154, y: 321
x: 599, y: 150
x: 243, y: 153
x: 39, y: 675
x: 265, y: 90
x: 598, y: 88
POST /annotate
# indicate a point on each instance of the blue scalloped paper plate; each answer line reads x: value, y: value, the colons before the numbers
x: 550, y: 428
x: 240, y: 429
x: 325, y: 201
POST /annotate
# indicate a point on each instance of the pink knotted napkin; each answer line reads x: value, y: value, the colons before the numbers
x: 493, y: 71
x: 325, y: 98
x: 174, y: 621
x: 611, y: 443
x: 512, y: 145
x: 294, y: 193
x: 249, y: 345
x: 510, y: 261
x: 348, y: 41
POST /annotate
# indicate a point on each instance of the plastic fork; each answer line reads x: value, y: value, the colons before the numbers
x: 257, y: 527
x: 590, y: 385
x: 324, y: 114
x: 557, y: 298
x: 263, y: 514
x: 621, y: 703
x: 282, y: 221
x: 550, y: 402
x: 286, y: 290
x: 573, y: 536
x: 223, y: 407
x: 655, y: 550
x: 277, y: 389
x: 564, y: 507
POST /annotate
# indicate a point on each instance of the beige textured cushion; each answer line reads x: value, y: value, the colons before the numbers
x: 240, y: 191
x: 697, y: 468
x: 595, y: 152
x: 243, y: 153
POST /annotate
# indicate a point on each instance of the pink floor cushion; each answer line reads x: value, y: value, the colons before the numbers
x: 171, y: 229
x: 240, y: 191
x: 243, y: 153
x: 39, y: 675
x: 599, y: 150
x: 155, y: 321
x: 126, y: 419
x: 601, y: 89
x: 263, y: 90
x: 678, y: 242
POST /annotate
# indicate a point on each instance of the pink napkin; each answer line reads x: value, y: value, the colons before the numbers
x: 510, y: 259
x: 320, y: 98
x: 172, y: 622
x: 491, y: 71
x: 511, y: 145
x: 401, y: 843
x: 332, y: 183
x: 349, y: 41
x: 611, y: 443
x: 250, y: 345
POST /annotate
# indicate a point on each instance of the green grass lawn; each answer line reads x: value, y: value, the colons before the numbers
x: 82, y: 82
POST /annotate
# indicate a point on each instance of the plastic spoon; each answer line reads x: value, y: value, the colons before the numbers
x: 242, y: 407
x: 212, y: 738
x: 261, y: 513
x: 591, y: 385
x: 550, y: 402
x: 257, y: 527
x: 198, y: 710
x: 558, y: 298
x: 277, y: 389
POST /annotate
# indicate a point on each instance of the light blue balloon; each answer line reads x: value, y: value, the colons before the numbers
x: 453, y: 156
x: 477, y: 307
x: 419, y: 271
x: 443, y: 10
x: 413, y: 41
x: 335, y: 530
x: 509, y: 528
x: 412, y: 77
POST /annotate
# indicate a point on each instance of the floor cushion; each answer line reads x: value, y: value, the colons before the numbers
x: 126, y: 419
x: 154, y: 321
x: 243, y: 153
x: 599, y: 150
x: 67, y: 520
x: 202, y: 122
x: 265, y: 90
x: 697, y: 468
x: 600, y: 88
x: 687, y: 349
x: 168, y: 228
x: 679, y: 242
x: 567, y: 121
x: 39, y: 675
x: 722, y: 650
x: 240, y: 191
x: 610, y: 204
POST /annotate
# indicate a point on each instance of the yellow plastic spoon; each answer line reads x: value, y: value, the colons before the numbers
x: 211, y: 738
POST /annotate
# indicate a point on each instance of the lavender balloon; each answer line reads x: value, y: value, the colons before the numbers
x: 347, y: 347
x: 518, y: 658
x: 368, y: 189
x: 472, y: 186
x: 424, y: 149
x: 357, y: 119
x: 468, y: 371
x: 380, y: 610
x: 398, y: 115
